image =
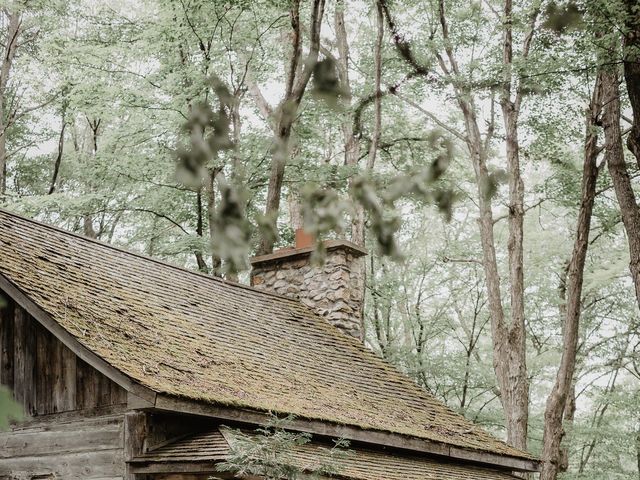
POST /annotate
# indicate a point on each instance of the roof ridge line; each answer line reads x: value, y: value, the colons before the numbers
x: 146, y: 257
x: 336, y: 331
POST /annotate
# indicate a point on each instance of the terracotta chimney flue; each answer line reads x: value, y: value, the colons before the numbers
x: 304, y: 239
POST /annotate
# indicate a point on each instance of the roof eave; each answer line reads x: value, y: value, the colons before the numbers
x: 324, y: 428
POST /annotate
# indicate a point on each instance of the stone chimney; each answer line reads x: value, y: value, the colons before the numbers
x: 334, y: 290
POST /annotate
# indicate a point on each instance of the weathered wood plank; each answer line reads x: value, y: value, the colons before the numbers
x: 81, y: 438
x: 135, y: 432
x: 6, y: 343
x: 86, y: 386
x: 66, y: 384
x: 118, y: 394
x: 103, y: 390
x: 136, y: 403
x: 68, y: 420
x: 19, y: 353
x: 72, y: 466
x: 67, y: 445
x: 24, y: 352
x: 45, y: 377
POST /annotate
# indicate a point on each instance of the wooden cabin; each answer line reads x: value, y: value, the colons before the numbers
x: 128, y: 367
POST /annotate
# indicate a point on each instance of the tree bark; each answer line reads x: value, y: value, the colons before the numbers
x: 631, y: 62
x: 377, y: 104
x: 11, y: 44
x: 296, y: 85
x: 58, y: 161
x: 351, y: 141
x: 619, y: 174
x: 92, y: 151
x: 210, y: 189
x: 638, y: 451
x: 518, y: 393
x: 202, y: 265
x: 557, y: 401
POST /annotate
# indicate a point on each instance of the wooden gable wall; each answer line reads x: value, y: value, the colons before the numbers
x: 44, y: 375
x: 76, y: 425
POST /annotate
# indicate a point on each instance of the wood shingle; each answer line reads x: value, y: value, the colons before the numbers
x: 191, y: 336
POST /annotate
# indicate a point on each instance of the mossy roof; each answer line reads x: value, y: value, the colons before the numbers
x: 356, y: 463
x: 196, y: 337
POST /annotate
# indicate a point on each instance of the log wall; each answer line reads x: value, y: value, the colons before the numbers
x: 64, y: 446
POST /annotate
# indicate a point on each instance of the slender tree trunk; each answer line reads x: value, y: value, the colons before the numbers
x: 509, y: 354
x: 58, y: 161
x: 236, y: 168
x: 518, y: 393
x: 87, y: 227
x: 210, y: 189
x: 638, y: 450
x: 509, y: 347
x: 631, y: 56
x: 202, y: 265
x: 619, y: 174
x: 296, y: 85
x: 351, y: 142
x: 377, y: 105
x: 92, y: 150
x: 3, y: 158
x: 10, y: 46
x: 557, y: 401
x: 568, y: 418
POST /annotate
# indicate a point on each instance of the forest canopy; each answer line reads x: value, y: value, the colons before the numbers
x: 486, y: 153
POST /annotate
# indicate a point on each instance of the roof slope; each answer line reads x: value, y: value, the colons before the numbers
x: 192, y: 336
x: 359, y: 464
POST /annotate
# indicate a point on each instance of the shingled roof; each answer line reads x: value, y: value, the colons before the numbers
x: 214, y: 446
x: 195, y: 337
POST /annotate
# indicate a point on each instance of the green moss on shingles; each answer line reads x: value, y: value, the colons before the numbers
x: 240, y: 347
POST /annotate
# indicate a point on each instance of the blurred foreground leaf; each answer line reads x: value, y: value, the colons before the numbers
x: 9, y: 408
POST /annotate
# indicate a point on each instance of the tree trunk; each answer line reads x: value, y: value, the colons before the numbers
x: 631, y: 56
x: 10, y: 47
x: 236, y: 167
x: 210, y: 188
x: 58, y: 161
x: 297, y: 81
x: 557, y: 401
x: 509, y: 347
x: 619, y: 174
x: 638, y: 451
x: 517, y: 396
x: 509, y: 354
x: 3, y: 158
x: 567, y: 421
x: 276, y: 176
x: 351, y: 142
x: 91, y: 150
x: 517, y: 336
x: 87, y: 227
x: 377, y: 105
x: 202, y: 265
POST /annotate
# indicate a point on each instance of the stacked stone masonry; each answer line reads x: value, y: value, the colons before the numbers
x: 334, y: 290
